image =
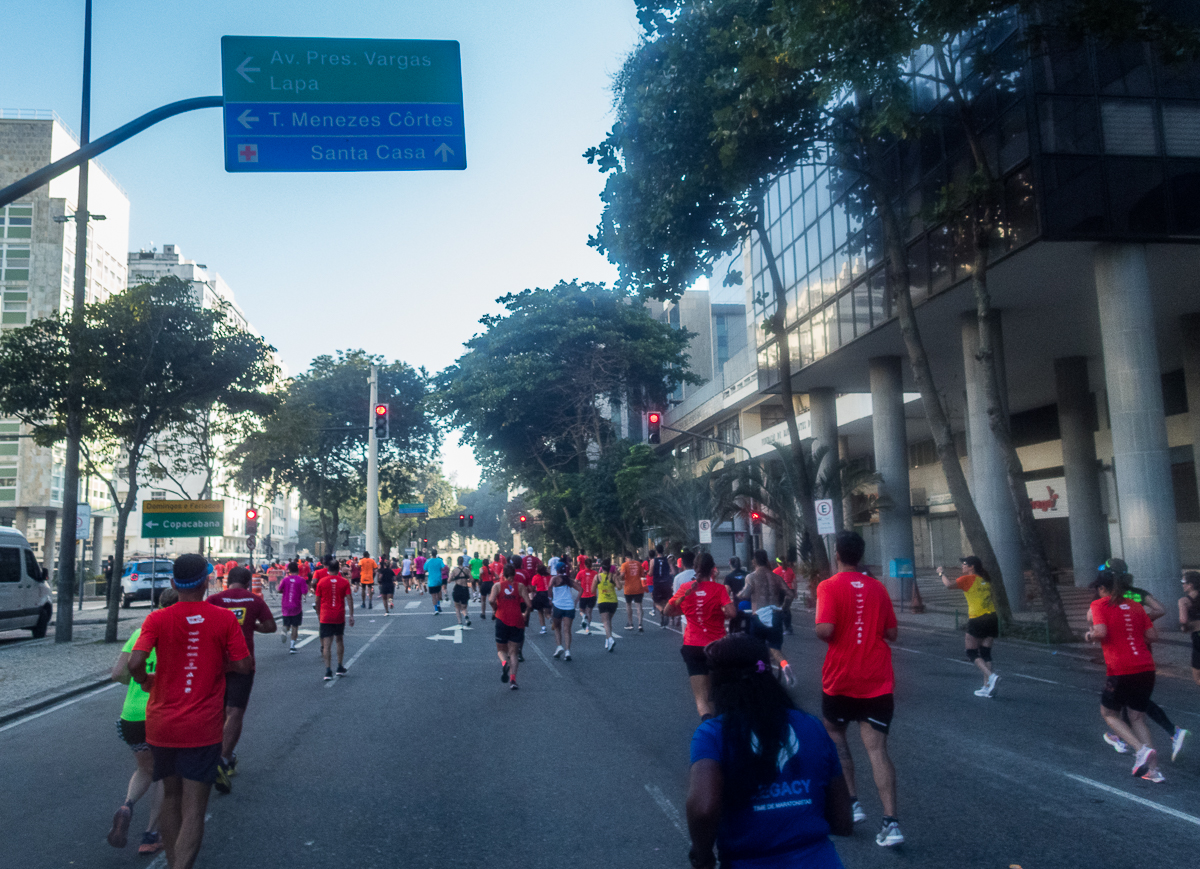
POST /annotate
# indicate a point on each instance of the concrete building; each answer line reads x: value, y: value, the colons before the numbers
x: 37, y: 264
x: 147, y: 266
x: 1096, y: 279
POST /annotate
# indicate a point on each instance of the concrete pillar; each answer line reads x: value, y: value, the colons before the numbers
x: 97, y: 543
x: 891, y: 462
x: 989, y: 479
x: 1191, y: 378
x: 48, y: 559
x: 822, y: 404
x: 847, y: 502
x: 1089, y: 528
x: 1141, y: 460
x: 21, y: 520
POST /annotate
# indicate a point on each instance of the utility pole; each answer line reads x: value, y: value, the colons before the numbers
x: 63, y: 627
x: 373, y: 468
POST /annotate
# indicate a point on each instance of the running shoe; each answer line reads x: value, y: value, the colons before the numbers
x: 991, y: 685
x: 890, y: 835
x: 1145, y: 757
x: 119, y: 834
x: 293, y: 650
x: 788, y: 676
x: 567, y: 655
x: 857, y: 809
x: 586, y: 630
x: 629, y: 627
x: 639, y: 629
x: 504, y: 672
x: 1155, y: 775
x: 1117, y: 743
x: 520, y: 657
x: 1177, y: 741
x: 543, y: 630
x: 283, y: 638
x: 981, y: 692
x: 328, y: 675
x: 223, y: 784
x: 513, y: 686
x: 558, y: 651
x: 468, y: 623
x: 341, y: 671
x: 151, y: 844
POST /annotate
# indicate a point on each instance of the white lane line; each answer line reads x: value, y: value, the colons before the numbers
x: 412, y: 604
x: 356, y: 655
x: 59, y: 706
x: 309, y: 636
x: 545, y: 660
x: 667, y: 807
x: 1034, y: 678
x: 1150, y: 804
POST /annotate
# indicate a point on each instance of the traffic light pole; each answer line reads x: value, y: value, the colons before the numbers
x: 373, y: 470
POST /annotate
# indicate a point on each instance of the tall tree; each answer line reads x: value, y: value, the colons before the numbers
x: 538, y: 392
x: 154, y: 359
x: 316, y: 442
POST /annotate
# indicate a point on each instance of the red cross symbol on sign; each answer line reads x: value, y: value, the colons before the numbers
x: 248, y: 154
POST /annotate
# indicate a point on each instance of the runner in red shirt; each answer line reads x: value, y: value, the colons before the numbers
x: 1124, y: 632
x: 194, y: 643
x: 586, y: 577
x: 787, y: 571
x: 707, y: 604
x: 333, y: 594
x: 855, y: 617
x: 253, y: 615
x: 508, y: 598
x: 491, y: 574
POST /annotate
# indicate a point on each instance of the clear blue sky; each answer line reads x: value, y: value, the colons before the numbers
x: 398, y: 263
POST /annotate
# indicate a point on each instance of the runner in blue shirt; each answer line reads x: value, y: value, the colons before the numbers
x: 433, y: 568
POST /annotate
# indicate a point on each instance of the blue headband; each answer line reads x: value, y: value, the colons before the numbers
x: 193, y: 581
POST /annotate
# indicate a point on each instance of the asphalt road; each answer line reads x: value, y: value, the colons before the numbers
x: 420, y: 757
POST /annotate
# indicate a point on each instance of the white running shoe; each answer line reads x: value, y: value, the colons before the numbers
x: 1145, y: 757
x: 567, y: 655
x: 889, y: 835
x: 558, y: 651
x: 1177, y: 741
x: 1117, y: 743
x: 981, y: 692
x: 543, y: 630
x: 1155, y: 775
x: 991, y: 685
x: 857, y: 809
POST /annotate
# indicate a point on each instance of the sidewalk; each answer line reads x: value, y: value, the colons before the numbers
x: 33, y: 672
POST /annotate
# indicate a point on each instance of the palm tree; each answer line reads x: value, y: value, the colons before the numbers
x: 680, y: 499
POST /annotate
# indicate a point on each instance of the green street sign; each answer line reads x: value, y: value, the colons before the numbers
x: 312, y: 104
x: 183, y: 518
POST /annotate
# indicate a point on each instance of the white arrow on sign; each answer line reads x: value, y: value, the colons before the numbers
x: 444, y: 151
x: 242, y: 69
x: 151, y: 524
x: 245, y: 119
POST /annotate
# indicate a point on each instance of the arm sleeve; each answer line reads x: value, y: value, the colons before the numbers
x: 706, y: 741
x: 148, y: 638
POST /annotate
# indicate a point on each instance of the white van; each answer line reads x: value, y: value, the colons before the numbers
x: 24, y: 592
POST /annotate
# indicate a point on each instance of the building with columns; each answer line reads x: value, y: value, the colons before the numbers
x: 37, y: 264
x: 1096, y: 281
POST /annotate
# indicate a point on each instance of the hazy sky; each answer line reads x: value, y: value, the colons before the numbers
x: 398, y: 263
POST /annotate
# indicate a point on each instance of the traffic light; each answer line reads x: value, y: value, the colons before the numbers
x: 471, y: 521
x: 381, y: 422
x: 756, y: 521
x: 462, y: 520
x: 523, y: 520
x: 251, y: 522
x: 654, y: 427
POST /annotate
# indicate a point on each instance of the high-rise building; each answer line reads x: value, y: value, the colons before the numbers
x: 37, y: 279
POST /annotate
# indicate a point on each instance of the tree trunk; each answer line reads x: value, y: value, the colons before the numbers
x: 808, y: 510
x: 918, y: 359
x: 114, y: 587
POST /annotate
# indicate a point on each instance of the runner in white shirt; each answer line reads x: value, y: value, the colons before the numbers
x: 406, y: 573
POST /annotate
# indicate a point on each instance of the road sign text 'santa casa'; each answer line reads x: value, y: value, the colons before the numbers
x: 333, y: 105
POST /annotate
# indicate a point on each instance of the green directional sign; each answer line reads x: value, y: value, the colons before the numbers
x: 313, y: 104
x: 183, y: 518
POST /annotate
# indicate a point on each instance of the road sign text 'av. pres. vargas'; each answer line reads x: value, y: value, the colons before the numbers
x: 342, y: 105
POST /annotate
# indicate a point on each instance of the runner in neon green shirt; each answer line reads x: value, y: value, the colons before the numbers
x: 475, y: 565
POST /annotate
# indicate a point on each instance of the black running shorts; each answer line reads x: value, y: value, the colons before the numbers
x: 237, y: 690
x: 586, y: 603
x: 461, y: 594
x: 876, y: 711
x: 634, y: 598
x: 485, y: 588
x: 506, y: 634
x: 1132, y: 690
x: 332, y: 629
x: 388, y: 588
x: 610, y: 607
x: 693, y: 657
x: 772, y: 636
x: 984, y: 626
x: 562, y: 614
x: 194, y: 764
x: 541, y: 601
x: 293, y: 621
x: 133, y: 733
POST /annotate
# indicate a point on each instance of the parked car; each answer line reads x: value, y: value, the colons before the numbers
x: 145, y: 579
x: 24, y: 591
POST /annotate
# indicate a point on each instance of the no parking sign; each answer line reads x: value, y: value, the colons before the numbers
x: 825, y: 516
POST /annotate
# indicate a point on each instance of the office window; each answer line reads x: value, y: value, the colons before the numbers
x: 14, y: 307
x: 862, y: 308
x: 16, y: 221
x: 846, y: 318
x: 14, y: 262
x: 1181, y: 130
x: 1129, y: 127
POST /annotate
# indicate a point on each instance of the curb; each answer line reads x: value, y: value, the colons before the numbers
x: 51, y: 701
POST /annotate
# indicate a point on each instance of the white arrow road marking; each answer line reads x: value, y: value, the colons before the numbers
x: 444, y: 151
x: 242, y: 69
x: 245, y: 119
x: 309, y: 636
x: 454, y: 639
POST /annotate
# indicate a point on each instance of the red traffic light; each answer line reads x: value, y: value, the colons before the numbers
x: 251, y: 514
x: 756, y: 517
x: 381, y: 410
x: 522, y: 520
x: 655, y: 418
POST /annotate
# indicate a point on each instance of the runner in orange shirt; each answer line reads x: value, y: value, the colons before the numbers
x: 631, y: 575
x: 366, y: 580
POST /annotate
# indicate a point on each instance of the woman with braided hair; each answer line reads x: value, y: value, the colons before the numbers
x: 766, y: 787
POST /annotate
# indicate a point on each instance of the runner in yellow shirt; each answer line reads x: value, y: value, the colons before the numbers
x: 983, y: 625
